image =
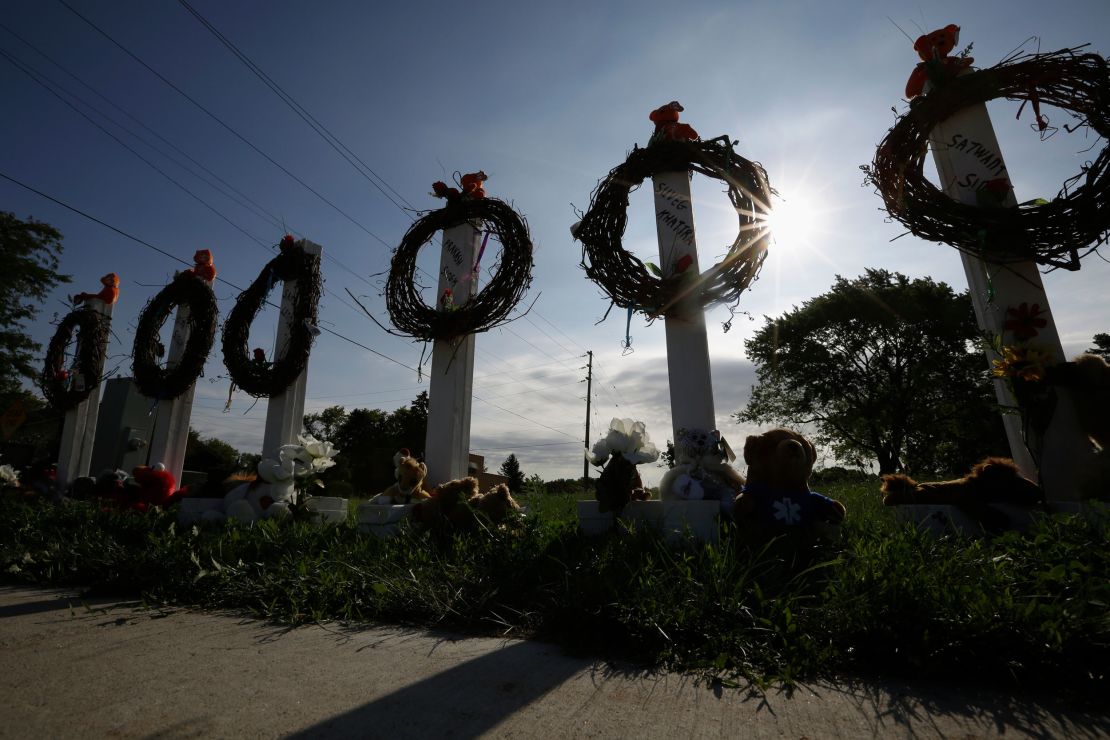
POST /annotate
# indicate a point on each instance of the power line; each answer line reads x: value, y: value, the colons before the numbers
x: 36, y: 78
x: 147, y: 244
x: 522, y: 447
x: 334, y: 333
x: 220, y: 121
x: 260, y: 242
x: 521, y: 416
x: 332, y: 140
x: 250, y: 204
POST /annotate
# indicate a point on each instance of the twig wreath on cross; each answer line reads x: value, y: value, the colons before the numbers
x: 675, y: 147
x: 57, y: 383
x: 491, y: 306
x: 1051, y: 233
x: 153, y: 381
x: 259, y: 377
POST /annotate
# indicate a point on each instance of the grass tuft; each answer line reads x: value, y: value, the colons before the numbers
x: 1027, y: 607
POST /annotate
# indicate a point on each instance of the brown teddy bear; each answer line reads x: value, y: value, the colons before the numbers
x: 776, y: 494
x: 456, y: 505
x: 409, y: 474
x: 448, y: 504
x: 1088, y: 378
x: 496, y: 504
x: 995, y: 480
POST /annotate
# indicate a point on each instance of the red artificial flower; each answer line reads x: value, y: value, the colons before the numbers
x: 683, y: 263
x: 287, y: 241
x: 1026, y: 322
x: 998, y: 186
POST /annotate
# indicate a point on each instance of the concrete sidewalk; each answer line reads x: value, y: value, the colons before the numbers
x: 104, y: 668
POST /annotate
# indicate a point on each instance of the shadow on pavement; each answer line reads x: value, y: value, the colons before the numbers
x: 916, y: 708
x: 472, y: 697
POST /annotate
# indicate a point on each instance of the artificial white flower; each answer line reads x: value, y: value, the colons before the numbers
x: 276, y: 471
x: 629, y: 438
x: 9, y: 476
x: 320, y: 464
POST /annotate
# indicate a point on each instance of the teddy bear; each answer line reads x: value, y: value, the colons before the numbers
x: 269, y: 495
x: 472, y: 184
x: 701, y: 470
x: 667, y: 127
x: 934, y: 48
x: 203, y: 267
x: 620, y: 451
x: 776, y: 496
x: 496, y: 504
x: 156, y: 486
x: 995, y: 480
x: 409, y: 474
x: 1087, y: 377
x: 448, y: 505
x: 108, y: 294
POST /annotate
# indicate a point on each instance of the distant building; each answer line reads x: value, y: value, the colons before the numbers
x: 477, y: 468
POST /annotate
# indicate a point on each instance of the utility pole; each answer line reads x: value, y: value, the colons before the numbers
x: 589, y: 392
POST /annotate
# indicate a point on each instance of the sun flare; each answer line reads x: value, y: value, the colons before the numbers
x: 794, y: 219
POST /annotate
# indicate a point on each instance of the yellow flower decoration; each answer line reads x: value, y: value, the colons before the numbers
x: 1026, y: 363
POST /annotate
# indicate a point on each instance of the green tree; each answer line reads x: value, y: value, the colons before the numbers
x: 511, y: 470
x: 327, y: 423
x: 367, y: 440
x: 31, y: 250
x: 1102, y: 346
x: 882, y: 367
x: 214, y: 456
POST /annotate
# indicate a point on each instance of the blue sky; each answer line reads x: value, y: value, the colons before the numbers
x: 544, y: 98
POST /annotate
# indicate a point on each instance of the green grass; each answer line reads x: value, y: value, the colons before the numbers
x: 1029, y: 608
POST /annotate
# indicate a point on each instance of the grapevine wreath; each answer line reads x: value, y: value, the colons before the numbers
x: 259, y: 377
x: 491, y: 306
x: 675, y: 147
x: 1050, y: 233
x: 55, y: 379
x: 192, y: 291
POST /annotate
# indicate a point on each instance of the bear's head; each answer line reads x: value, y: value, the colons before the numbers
x: 780, y: 459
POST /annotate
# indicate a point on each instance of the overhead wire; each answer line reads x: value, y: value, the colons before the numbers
x: 324, y: 133
x: 35, y: 76
x: 249, y: 204
x: 40, y: 81
x: 332, y: 140
x: 163, y: 252
x: 221, y: 122
x: 236, y: 194
x: 171, y: 256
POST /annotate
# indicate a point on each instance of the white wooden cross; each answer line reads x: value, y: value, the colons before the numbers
x: 171, y: 424
x: 451, y: 385
x: 285, y: 411
x: 79, y: 427
x: 967, y: 154
x: 691, y: 384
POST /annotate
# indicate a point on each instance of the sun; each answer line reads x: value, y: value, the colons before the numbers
x: 794, y: 220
